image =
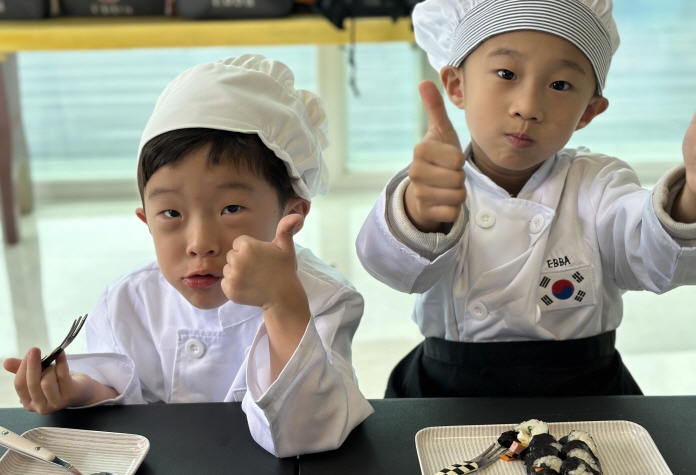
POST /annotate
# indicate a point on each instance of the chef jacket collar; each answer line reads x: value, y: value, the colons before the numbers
x: 529, y: 191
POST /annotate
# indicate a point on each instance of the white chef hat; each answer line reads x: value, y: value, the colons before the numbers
x: 250, y: 94
x: 449, y: 30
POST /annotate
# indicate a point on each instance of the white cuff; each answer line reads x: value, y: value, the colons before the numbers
x: 113, y: 370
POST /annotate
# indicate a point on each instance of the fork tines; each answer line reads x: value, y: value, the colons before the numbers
x: 74, y: 330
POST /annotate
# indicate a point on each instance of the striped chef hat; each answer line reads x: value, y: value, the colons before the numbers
x: 253, y: 95
x: 449, y: 30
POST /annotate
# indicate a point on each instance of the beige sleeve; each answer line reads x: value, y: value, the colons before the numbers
x: 664, y: 195
x: 428, y: 245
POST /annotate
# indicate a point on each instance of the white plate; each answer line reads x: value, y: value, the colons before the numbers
x: 88, y: 450
x: 625, y: 448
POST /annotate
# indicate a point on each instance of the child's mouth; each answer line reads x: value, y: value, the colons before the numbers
x: 199, y: 282
x: 519, y: 140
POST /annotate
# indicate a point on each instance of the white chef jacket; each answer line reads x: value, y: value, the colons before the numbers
x: 148, y: 343
x: 549, y: 264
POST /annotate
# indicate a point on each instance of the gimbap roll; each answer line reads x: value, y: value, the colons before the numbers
x: 576, y: 444
x: 579, y: 449
x: 585, y: 437
x: 528, y: 429
x: 576, y: 466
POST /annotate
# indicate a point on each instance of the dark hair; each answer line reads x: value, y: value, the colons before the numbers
x: 244, y: 151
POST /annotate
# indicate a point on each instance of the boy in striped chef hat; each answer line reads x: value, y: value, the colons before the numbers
x: 520, y: 248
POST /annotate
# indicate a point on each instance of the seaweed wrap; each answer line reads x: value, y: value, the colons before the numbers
x: 540, y: 451
x: 544, y: 439
x: 507, y: 438
x: 576, y: 444
x: 576, y: 466
x: 579, y: 449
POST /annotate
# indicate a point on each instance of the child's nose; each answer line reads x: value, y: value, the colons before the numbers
x: 528, y: 105
x: 203, y: 242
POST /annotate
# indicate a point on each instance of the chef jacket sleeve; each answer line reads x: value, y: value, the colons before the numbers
x: 637, y: 252
x: 393, y: 251
x: 664, y: 196
x: 315, y: 402
x: 105, y: 361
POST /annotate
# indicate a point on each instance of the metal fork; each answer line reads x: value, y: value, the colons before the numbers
x: 74, y: 330
x: 484, y: 459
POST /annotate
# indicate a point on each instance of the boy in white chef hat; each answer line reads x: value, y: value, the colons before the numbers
x: 519, y: 248
x: 232, y: 310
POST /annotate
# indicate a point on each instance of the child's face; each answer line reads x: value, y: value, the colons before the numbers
x: 195, y: 212
x: 524, y: 94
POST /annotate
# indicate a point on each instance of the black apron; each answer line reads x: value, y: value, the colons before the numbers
x: 583, y: 367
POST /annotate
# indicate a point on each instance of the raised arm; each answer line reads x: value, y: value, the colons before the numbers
x: 264, y: 274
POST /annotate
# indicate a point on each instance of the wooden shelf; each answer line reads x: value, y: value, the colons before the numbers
x: 157, y: 32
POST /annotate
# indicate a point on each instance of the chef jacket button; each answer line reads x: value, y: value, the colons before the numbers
x: 478, y: 310
x: 537, y: 224
x: 195, y: 348
x: 485, y: 218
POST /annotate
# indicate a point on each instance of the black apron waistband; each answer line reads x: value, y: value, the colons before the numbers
x: 581, y: 367
x: 527, y: 353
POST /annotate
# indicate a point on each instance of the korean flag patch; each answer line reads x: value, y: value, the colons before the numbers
x: 566, y: 287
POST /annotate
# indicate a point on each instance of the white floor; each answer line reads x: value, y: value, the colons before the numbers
x: 71, y: 250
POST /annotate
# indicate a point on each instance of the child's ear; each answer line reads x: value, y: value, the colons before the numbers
x: 300, y: 206
x: 453, y: 81
x: 597, y: 105
x: 140, y: 213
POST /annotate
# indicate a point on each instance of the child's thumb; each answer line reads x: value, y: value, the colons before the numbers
x: 12, y: 365
x: 689, y: 145
x: 286, y: 230
x: 439, y: 124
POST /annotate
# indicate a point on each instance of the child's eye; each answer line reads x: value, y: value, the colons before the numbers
x: 171, y: 213
x: 231, y: 209
x: 560, y: 85
x: 507, y: 74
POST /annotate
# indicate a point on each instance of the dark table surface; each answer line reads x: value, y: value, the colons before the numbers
x: 385, y: 442
x: 186, y: 439
x: 214, y: 439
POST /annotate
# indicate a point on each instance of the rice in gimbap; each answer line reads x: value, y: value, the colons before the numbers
x: 585, y: 437
x: 549, y: 462
x: 528, y: 429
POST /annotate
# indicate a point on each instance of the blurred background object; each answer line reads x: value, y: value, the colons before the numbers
x: 111, y: 8
x: 27, y: 9
x: 207, y: 9
x: 338, y: 10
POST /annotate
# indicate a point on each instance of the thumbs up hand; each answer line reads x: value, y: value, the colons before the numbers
x: 436, y: 192
x: 262, y: 273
